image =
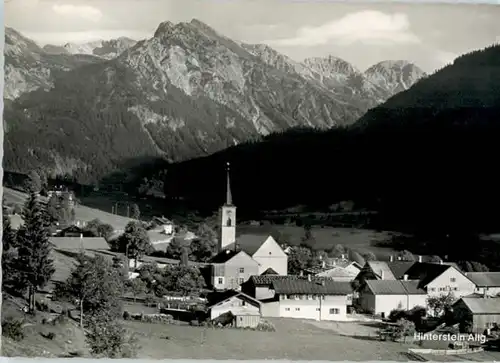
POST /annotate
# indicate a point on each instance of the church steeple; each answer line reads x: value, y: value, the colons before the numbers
x: 227, y: 217
x: 229, y: 196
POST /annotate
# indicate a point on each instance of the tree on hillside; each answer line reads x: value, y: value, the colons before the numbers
x: 369, y: 256
x: 440, y: 304
x: 204, y: 247
x: 33, y: 183
x: 337, y: 251
x: 406, y: 256
x: 8, y: 256
x: 33, y: 261
x: 134, y: 241
x: 434, y: 258
x: 107, y: 338
x: 96, y: 285
x: 99, y: 229
x: 175, y: 248
x: 136, y: 287
x: 299, y: 259
x: 308, y: 240
x: 181, y: 279
x: 135, y: 212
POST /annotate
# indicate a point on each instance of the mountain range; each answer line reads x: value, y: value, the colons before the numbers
x: 188, y: 91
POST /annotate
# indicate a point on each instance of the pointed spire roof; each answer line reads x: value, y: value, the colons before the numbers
x: 229, y: 196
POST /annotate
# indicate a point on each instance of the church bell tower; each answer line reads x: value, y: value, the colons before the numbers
x: 228, y: 217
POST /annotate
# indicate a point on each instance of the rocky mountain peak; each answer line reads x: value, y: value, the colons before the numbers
x: 331, y: 65
x: 394, y: 75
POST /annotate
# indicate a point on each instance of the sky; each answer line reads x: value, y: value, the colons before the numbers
x: 362, y: 33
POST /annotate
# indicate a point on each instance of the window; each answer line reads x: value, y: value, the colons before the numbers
x: 243, y: 303
x: 334, y: 311
x: 442, y: 289
x: 452, y: 279
x: 270, y: 253
x: 242, y: 270
x: 317, y: 309
x: 287, y: 309
x: 309, y: 297
x: 220, y: 280
x: 314, y: 297
x: 297, y: 309
x: 432, y: 289
x: 455, y: 288
x: 283, y: 297
x: 241, y: 280
x: 301, y: 297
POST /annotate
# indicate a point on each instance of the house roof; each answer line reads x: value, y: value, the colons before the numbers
x: 302, y: 286
x: 267, y: 280
x: 76, y: 243
x: 394, y: 287
x: 482, y: 306
x: 226, y: 295
x: 269, y: 271
x: 381, y: 267
x: 399, y: 268
x: 485, y: 279
x: 336, y: 272
x: 426, y: 272
x: 224, y: 256
x: 250, y: 243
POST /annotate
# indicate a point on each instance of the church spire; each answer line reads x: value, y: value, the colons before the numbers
x: 229, y: 196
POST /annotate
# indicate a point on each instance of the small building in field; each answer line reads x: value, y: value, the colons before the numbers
x: 317, y: 299
x: 164, y: 224
x: 486, y: 282
x: 74, y: 231
x: 380, y: 297
x: 79, y: 243
x: 479, y: 313
x: 244, y: 309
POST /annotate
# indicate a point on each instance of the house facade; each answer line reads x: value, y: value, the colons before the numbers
x: 479, y: 312
x: 309, y: 299
x: 380, y: 297
x: 486, y: 283
x: 239, y: 304
x: 271, y: 255
x: 230, y: 269
x: 438, y: 279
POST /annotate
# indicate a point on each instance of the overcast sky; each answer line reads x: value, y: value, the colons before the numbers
x: 429, y: 35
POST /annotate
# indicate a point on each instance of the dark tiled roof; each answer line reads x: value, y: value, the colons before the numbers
x: 223, y: 296
x: 302, y: 286
x: 485, y: 279
x: 250, y: 243
x: 479, y: 306
x: 381, y: 267
x: 399, y: 268
x: 224, y: 256
x: 269, y: 271
x: 394, y: 287
x: 426, y: 272
x: 267, y: 280
x: 76, y: 243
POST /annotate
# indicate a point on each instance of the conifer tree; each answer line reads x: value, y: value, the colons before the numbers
x: 33, y: 261
x: 8, y: 242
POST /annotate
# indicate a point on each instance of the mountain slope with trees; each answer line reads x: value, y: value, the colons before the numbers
x: 424, y: 158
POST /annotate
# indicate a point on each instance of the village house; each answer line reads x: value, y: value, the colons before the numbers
x: 246, y: 311
x: 74, y: 231
x: 317, y: 299
x: 260, y: 286
x: 336, y: 269
x: 439, y: 278
x: 79, y: 243
x: 486, y: 282
x: 479, y: 312
x: 164, y: 225
x: 382, y: 270
x: 380, y: 297
x: 243, y: 256
x: 229, y: 269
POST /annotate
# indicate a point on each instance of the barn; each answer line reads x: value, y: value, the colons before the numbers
x: 479, y: 312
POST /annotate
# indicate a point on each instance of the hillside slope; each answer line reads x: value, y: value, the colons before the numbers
x: 425, y: 157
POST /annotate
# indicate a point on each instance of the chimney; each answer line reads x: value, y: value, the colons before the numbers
x: 342, y: 256
x: 440, y: 262
x: 485, y: 293
x: 405, y: 277
x: 399, y: 258
x: 81, y: 235
x: 309, y: 278
x: 392, y: 258
x: 323, y: 283
x: 323, y: 264
x: 301, y: 273
x: 420, y: 259
x: 381, y: 274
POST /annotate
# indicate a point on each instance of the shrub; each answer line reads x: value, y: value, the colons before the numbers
x: 126, y: 315
x: 13, y: 329
x: 42, y: 306
x: 265, y: 325
x: 49, y: 336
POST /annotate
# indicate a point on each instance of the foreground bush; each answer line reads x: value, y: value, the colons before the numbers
x: 13, y: 329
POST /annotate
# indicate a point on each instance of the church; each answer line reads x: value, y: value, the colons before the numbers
x: 243, y: 256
